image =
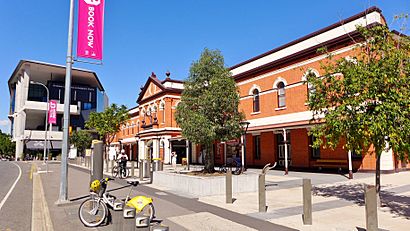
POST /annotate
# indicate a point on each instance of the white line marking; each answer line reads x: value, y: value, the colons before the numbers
x: 12, y: 187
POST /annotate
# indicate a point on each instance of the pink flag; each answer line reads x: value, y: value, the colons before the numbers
x: 90, y: 29
x: 52, y: 112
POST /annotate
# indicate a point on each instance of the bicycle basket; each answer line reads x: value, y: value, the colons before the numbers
x: 95, y: 186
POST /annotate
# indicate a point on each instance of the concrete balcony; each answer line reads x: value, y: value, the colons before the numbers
x: 42, y: 106
x: 39, y: 135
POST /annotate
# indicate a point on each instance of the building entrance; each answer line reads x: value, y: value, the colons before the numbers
x: 179, y: 147
x: 281, y: 149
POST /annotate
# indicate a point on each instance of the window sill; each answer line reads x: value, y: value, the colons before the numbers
x: 280, y: 108
x: 255, y: 113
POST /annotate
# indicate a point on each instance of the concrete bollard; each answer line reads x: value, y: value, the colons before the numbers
x: 129, y: 219
x: 117, y: 216
x: 97, y: 161
x: 151, y: 172
x: 140, y: 171
x: 370, y: 198
x: 142, y: 223
x: 307, y: 202
x: 132, y: 169
x: 228, y: 186
x: 261, y: 193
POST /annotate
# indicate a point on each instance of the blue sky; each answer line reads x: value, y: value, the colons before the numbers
x: 144, y: 36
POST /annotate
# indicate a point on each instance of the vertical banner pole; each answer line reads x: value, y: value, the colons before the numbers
x: 67, y: 92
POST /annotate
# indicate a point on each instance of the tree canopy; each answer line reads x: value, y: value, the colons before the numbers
x: 81, y: 139
x: 365, y: 99
x: 7, y: 146
x: 208, y: 110
x: 108, y: 122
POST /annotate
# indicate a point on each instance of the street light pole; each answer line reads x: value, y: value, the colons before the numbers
x: 244, y: 125
x: 46, y: 125
x: 63, y: 197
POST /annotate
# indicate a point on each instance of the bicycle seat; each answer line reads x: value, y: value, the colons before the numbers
x: 133, y: 182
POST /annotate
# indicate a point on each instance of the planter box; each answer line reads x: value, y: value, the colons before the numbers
x: 205, y: 186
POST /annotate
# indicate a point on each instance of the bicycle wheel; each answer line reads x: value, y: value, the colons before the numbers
x: 114, y: 171
x: 236, y: 168
x: 148, y: 211
x: 92, y: 212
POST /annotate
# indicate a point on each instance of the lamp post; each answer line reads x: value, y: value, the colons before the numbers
x: 244, y: 125
x: 46, y: 125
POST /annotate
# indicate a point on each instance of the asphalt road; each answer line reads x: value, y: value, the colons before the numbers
x: 15, y: 214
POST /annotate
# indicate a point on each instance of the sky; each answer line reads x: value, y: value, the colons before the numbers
x: 144, y: 36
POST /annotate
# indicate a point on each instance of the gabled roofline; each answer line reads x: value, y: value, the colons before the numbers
x: 23, y: 61
x: 340, y: 23
x: 152, y: 78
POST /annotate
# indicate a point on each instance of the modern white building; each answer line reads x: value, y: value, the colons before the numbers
x: 28, y: 103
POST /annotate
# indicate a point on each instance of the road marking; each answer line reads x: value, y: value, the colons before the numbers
x: 12, y: 187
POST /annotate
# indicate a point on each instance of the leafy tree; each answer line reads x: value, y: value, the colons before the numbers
x: 208, y: 110
x: 108, y: 122
x: 365, y: 99
x: 82, y: 140
x: 7, y: 147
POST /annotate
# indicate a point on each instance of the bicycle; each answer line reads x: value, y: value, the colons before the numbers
x: 94, y: 211
x: 119, y: 170
x: 234, y: 164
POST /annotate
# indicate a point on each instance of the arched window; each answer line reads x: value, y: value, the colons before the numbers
x: 255, y: 94
x: 281, y: 94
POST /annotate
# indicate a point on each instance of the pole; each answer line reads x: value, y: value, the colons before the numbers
x: 67, y: 93
x: 286, y: 151
x: 350, y: 164
x: 46, y: 126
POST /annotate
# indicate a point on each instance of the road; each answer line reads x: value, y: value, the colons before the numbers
x: 15, y: 211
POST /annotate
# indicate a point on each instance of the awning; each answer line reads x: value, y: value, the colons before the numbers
x: 129, y: 140
x: 39, y: 144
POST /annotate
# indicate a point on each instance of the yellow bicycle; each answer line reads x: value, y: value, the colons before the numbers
x: 94, y: 211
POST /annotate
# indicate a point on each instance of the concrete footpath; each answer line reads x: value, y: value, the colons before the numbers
x: 338, y: 203
x: 179, y: 213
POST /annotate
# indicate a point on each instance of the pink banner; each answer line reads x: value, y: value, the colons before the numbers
x: 90, y: 29
x: 52, y: 112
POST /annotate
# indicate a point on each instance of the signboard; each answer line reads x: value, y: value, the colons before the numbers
x: 90, y: 29
x: 52, y: 112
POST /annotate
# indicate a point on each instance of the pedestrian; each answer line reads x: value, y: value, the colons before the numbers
x: 122, y: 160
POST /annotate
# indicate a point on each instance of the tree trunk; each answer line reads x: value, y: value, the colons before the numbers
x: 378, y: 153
x: 209, y: 159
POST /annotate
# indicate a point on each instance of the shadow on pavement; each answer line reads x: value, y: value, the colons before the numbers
x: 397, y: 204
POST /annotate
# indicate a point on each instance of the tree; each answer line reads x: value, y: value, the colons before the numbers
x: 365, y: 99
x: 108, y: 122
x: 7, y: 147
x: 82, y: 140
x: 208, y: 110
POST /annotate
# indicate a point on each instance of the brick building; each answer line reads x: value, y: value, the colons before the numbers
x: 273, y: 97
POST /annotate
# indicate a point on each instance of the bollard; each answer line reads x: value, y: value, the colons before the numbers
x: 228, y: 186
x: 160, y: 228
x: 132, y: 169
x: 112, y: 165
x: 370, y: 199
x: 307, y: 202
x: 262, y: 193
x: 97, y: 161
x: 140, y: 171
x: 151, y: 173
x: 128, y: 222
x: 117, y: 216
x: 142, y: 223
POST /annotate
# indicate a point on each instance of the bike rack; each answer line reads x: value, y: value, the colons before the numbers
x: 268, y: 167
